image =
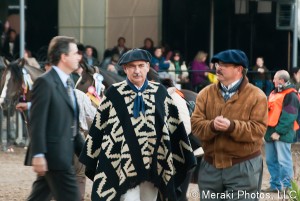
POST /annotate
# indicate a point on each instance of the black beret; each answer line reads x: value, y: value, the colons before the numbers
x: 232, y: 57
x: 135, y: 55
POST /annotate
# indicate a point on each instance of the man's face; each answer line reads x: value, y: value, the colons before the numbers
x: 89, y: 52
x: 158, y: 52
x: 227, y: 73
x: 12, y: 36
x: 137, y: 72
x: 121, y: 42
x: 176, y: 57
x: 297, y: 75
x: 71, y: 60
x: 148, y: 44
x: 277, y: 81
x: 259, y: 62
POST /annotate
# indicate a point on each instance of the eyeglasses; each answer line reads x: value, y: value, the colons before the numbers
x: 217, y: 65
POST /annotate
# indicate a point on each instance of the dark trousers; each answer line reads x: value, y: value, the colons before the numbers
x: 242, y: 181
x: 61, y: 185
x: 185, y: 185
x: 80, y: 176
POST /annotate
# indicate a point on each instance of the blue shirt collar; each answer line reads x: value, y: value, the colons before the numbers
x: 62, y: 75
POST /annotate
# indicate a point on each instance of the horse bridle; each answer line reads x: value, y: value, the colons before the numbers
x: 26, y: 84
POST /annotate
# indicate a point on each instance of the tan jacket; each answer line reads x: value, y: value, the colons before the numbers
x: 248, y: 112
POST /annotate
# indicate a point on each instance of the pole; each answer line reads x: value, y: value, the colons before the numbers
x: 289, y: 51
x: 22, y: 28
x: 295, y: 35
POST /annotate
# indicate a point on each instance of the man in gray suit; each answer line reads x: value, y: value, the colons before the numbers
x: 54, y: 126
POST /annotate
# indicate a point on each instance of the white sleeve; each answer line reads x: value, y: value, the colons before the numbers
x: 183, y: 111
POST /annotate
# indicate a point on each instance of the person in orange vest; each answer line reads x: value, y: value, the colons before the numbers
x: 283, y: 106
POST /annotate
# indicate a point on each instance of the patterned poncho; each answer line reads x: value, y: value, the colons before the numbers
x: 123, y: 151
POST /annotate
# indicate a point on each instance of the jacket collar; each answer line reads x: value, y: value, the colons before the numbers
x: 60, y: 87
x: 245, y: 81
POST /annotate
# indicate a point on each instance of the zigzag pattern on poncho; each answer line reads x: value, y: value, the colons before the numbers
x: 125, y: 151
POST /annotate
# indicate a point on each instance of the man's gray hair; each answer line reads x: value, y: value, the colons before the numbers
x: 284, y: 75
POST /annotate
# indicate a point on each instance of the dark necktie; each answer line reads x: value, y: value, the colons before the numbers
x: 70, y: 86
x: 139, y: 104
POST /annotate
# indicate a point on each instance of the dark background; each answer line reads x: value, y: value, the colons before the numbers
x: 185, y: 27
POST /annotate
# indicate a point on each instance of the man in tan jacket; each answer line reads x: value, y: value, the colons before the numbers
x: 230, y: 119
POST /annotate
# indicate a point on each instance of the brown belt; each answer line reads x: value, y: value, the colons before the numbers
x: 234, y: 160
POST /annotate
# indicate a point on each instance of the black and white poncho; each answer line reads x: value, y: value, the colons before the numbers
x: 122, y: 151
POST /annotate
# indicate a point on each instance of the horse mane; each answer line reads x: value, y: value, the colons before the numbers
x: 15, y: 70
x: 87, y: 68
x: 34, y: 71
x: 153, y: 75
x: 3, y: 63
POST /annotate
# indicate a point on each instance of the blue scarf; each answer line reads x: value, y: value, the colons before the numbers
x: 139, y: 104
x: 233, y: 89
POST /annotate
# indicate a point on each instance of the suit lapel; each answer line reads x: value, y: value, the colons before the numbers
x: 61, y: 88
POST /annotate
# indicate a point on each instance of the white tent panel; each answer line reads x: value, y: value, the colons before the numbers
x: 69, y: 13
x: 84, y: 20
x: 94, y: 13
x: 118, y: 27
x: 145, y: 27
x: 92, y: 36
x: 117, y: 8
x: 101, y: 22
x: 132, y: 19
x: 70, y: 31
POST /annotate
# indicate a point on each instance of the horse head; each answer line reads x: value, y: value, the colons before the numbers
x: 86, y: 79
x: 93, y: 76
x: 16, y: 82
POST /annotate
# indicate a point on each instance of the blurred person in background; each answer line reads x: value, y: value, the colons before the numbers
x: 295, y: 81
x: 31, y: 61
x: 160, y: 64
x: 113, y: 65
x: 120, y: 49
x: 148, y: 45
x: 295, y: 78
x: 166, y: 50
x: 262, y: 77
x: 200, y: 71
x: 11, y: 45
x: 88, y: 56
x: 178, y: 69
x: 4, y: 33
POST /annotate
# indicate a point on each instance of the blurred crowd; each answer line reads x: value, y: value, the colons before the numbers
x: 169, y: 63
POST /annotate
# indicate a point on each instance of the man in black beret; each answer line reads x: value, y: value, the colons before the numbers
x: 137, y: 147
x: 230, y: 119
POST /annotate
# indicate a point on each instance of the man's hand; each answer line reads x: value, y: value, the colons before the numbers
x: 275, y: 136
x: 39, y: 165
x: 221, y: 123
x: 22, y: 107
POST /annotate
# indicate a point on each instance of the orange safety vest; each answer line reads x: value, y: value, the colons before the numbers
x: 275, y: 107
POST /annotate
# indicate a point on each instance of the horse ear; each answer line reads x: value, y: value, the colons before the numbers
x: 21, y: 62
x: 5, y: 61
